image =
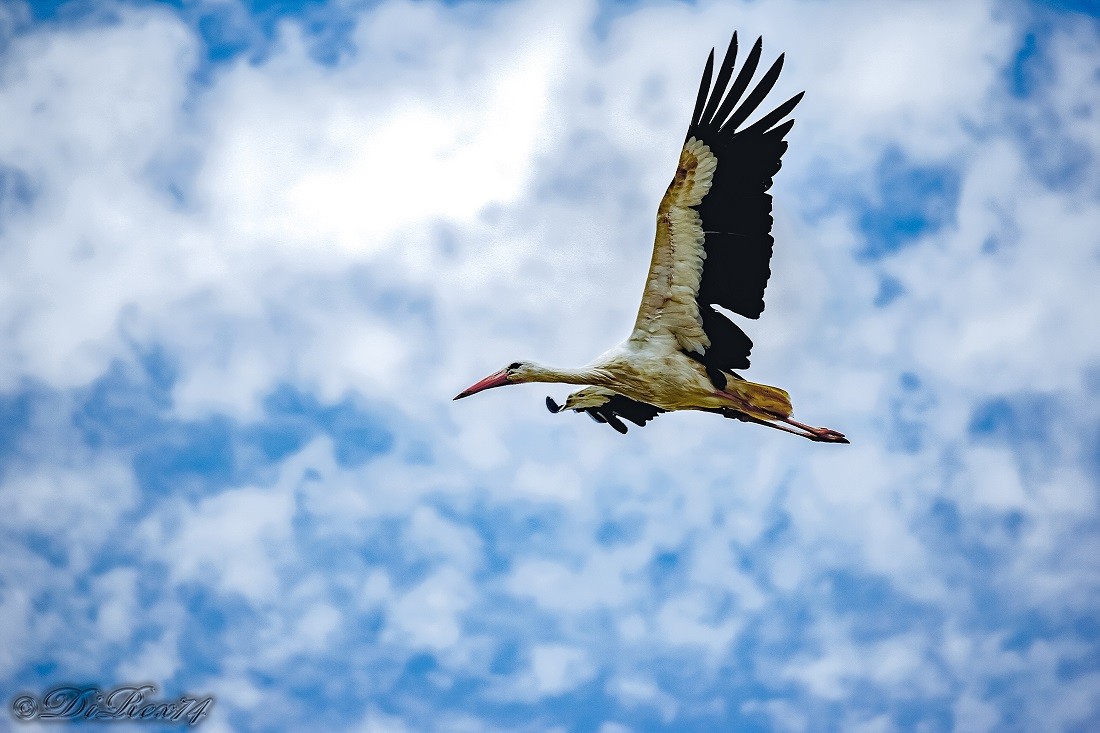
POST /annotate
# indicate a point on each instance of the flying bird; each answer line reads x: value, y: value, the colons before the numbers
x: 712, y: 250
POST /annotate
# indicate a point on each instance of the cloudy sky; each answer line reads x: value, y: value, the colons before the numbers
x: 250, y: 250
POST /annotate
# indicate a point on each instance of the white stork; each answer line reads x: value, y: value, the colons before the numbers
x: 712, y: 248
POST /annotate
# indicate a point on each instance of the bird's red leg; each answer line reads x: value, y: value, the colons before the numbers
x: 785, y: 429
x: 822, y: 435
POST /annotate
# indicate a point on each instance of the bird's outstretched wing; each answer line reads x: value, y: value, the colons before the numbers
x: 605, y: 406
x: 714, y: 242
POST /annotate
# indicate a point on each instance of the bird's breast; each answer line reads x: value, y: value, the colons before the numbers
x: 666, y: 379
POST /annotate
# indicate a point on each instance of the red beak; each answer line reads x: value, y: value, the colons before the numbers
x: 493, y: 380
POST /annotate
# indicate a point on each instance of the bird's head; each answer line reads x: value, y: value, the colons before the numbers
x: 517, y: 372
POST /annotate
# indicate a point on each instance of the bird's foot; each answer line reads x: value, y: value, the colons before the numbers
x: 827, y: 435
x: 821, y: 435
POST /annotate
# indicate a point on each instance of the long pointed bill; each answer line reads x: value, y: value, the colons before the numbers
x: 493, y: 380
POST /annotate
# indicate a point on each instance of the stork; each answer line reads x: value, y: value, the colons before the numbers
x: 712, y: 249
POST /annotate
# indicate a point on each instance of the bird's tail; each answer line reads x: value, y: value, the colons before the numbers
x: 762, y: 401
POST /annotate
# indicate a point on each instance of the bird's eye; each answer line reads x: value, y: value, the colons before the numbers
x: 513, y: 366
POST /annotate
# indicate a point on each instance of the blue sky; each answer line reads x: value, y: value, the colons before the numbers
x: 249, y: 252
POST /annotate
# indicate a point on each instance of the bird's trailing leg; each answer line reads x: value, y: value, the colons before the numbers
x: 821, y: 435
x: 811, y: 435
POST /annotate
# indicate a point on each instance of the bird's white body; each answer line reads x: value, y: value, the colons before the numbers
x: 656, y: 372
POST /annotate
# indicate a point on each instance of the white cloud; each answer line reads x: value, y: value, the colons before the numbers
x: 155, y: 660
x: 476, y: 185
x: 687, y: 620
x: 429, y: 614
x: 641, y: 692
x: 377, y: 722
x: 973, y: 714
x: 555, y: 669
x: 233, y: 541
x: 77, y: 504
x: 115, y: 613
x: 607, y: 579
x: 781, y: 713
x: 614, y: 728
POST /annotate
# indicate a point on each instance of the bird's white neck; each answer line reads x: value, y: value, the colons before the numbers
x: 540, y: 373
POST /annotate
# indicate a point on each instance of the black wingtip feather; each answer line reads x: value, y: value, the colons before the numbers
x: 756, y: 96
x: 779, y: 132
x: 740, y: 83
x: 764, y: 123
x: 704, y: 87
x: 724, y: 74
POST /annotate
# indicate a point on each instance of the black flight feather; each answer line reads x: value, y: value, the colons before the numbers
x: 756, y: 96
x: 764, y: 123
x: 704, y: 87
x: 724, y: 74
x: 614, y: 409
x: 739, y: 84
